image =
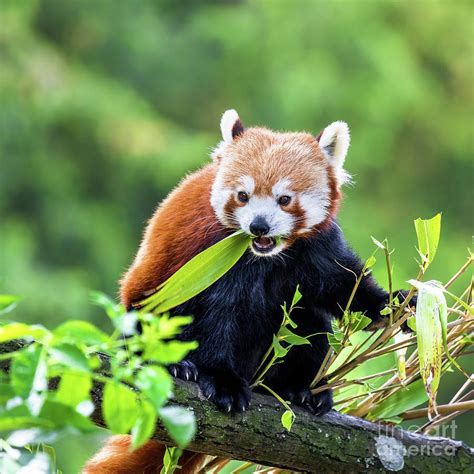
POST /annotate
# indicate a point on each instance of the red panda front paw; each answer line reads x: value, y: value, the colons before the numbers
x: 320, y: 403
x: 297, y: 396
x: 184, y: 370
x: 229, y: 392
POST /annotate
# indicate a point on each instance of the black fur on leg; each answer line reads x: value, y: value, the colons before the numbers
x: 321, y: 402
x: 227, y: 391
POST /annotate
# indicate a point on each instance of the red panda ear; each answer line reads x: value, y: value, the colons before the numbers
x: 231, y: 126
x: 334, y: 141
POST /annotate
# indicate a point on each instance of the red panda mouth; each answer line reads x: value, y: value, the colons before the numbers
x: 263, y: 244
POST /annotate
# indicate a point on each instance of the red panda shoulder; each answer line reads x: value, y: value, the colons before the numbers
x: 183, y: 224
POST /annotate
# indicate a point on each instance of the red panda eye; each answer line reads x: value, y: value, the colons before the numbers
x: 284, y: 200
x: 243, y: 197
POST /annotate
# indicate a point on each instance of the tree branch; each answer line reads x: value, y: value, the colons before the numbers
x: 333, y: 443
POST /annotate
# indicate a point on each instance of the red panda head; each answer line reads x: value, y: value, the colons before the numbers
x: 277, y: 187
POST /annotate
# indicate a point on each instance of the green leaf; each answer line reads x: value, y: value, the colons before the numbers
x: 199, y: 273
x: 287, y: 419
x: 411, y: 323
x: 79, y: 332
x: 70, y: 356
x: 280, y: 351
x: 292, y: 338
x: 378, y: 243
x: 12, y: 331
x: 169, y: 352
x: 296, y: 297
x: 170, y: 327
x: 371, y: 261
x: 431, y: 334
x: 74, y: 388
x: 171, y: 460
x: 468, y: 308
x: 127, y: 323
x: 180, y: 423
x: 112, y: 309
x: 401, y: 401
x: 144, y: 426
x: 334, y: 342
x: 156, y: 384
x: 335, y: 338
x: 286, y: 317
x: 13, y: 423
x: 53, y: 416
x: 119, y: 407
x: 65, y: 416
x: 8, y: 303
x: 6, y: 392
x: 29, y: 376
x: 428, y: 232
x: 359, y: 321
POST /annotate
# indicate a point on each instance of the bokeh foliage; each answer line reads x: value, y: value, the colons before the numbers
x: 106, y: 104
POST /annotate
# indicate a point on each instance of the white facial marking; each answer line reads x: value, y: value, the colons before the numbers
x: 280, y: 221
x: 315, y: 205
x: 220, y: 195
x: 248, y: 184
x: 277, y: 249
x: 282, y: 188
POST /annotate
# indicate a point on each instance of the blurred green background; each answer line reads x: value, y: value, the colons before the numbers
x: 106, y: 104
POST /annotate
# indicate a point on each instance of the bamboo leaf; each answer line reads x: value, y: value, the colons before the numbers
x: 335, y: 338
x: 428, y: 232
x: 296, y: 297
x: 371, y: 261
x: 359, y: 321
x: 431, y: 330
x: 401, y: 401
x: 198, y: 274
x: 292, y: 338
x: 378, y: 243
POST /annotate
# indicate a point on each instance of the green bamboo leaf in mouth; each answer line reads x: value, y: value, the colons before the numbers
x: 198, y: 274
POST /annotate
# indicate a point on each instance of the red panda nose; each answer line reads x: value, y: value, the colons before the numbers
x: 259, y: 226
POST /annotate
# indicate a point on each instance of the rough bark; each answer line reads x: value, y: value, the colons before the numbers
x: 333, y: 443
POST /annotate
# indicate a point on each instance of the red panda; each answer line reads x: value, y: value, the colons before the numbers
x: 283, y: 189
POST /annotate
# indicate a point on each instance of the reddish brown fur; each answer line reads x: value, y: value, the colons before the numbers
x: 270, y: 157
x: 169, y: 244
x: 335, y: 200
x: 116, y: 457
